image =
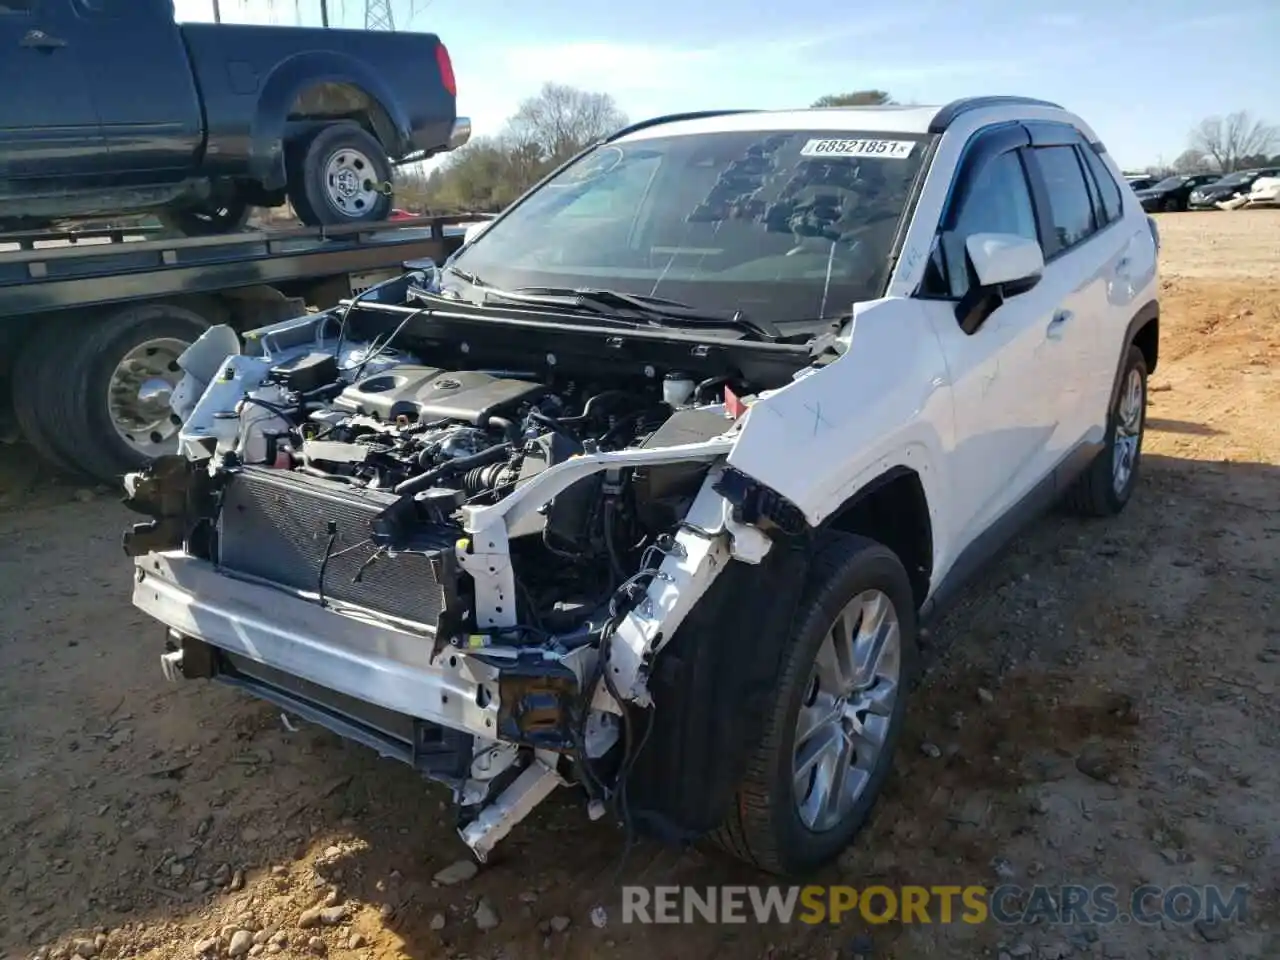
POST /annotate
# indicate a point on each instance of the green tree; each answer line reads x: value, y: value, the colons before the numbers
x: 857, y: 98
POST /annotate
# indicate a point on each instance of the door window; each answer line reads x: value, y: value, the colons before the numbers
x: 1108, y: 189
x: 16, y: 6
x: 998, y: 202
x: 1070, y: 207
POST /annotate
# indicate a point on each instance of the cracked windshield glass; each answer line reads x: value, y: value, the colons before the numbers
x: 786, y: 226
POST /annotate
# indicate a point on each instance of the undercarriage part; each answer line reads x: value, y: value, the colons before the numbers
x: 172, y: 491
x: 537, y: 697
x: 511, y: 806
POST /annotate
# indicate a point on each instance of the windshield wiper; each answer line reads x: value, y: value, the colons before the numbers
x: 653, y: 309
x: 470, y: 278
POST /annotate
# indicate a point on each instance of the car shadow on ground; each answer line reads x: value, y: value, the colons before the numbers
x: 1165, y: 425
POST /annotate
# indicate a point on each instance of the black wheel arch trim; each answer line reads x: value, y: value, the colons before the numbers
x: 291, y: 78
x: 1147, y: 313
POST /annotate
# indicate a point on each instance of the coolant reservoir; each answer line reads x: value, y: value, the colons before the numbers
x: 677, y: 388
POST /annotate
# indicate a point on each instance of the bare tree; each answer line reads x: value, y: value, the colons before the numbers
x: 1227, y: 140
x: 1192, y: 161
x: 857, y: 98
x: 561, y: 120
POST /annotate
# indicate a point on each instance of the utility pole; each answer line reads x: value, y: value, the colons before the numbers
x: 217, y: 11
x: 324, y: 12
x: 377, y: 15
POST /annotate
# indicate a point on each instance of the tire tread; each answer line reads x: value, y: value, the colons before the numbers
x: 747, y: 831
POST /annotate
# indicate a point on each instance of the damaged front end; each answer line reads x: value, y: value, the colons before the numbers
x: 468, y: 564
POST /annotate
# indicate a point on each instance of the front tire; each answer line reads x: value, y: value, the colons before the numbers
x: 343, y: 176
x: 836, y: 717
x: 1106, y: 486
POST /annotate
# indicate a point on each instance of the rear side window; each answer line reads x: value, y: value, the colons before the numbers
x: 1070, y: 206
x: 16, y: 6
x: 1108, y: 189
x: 998, y: 202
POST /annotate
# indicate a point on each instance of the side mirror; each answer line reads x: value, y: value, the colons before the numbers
x: 1005, y: 260
x: 474, y: 230
x: 1001, y: 265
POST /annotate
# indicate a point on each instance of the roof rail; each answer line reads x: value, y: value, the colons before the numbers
x: 948, y: 114
x: 672, y: 118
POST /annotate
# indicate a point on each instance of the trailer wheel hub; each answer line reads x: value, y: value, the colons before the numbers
x: 139, y: 393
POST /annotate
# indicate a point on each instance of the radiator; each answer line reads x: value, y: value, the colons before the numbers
x: 275, y: 526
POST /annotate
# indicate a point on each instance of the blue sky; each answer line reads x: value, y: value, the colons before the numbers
x: 1141, y: 75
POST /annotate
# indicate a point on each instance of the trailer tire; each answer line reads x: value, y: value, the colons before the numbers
x: 36, y: 378
x: 119, y: 350
x: 343, y: 177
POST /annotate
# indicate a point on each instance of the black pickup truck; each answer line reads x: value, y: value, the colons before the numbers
x: 111, y: 107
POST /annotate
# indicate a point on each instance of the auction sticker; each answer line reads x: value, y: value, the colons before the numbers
x: 890, y: 149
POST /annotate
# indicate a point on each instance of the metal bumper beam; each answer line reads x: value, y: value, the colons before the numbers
x: 342, y: 651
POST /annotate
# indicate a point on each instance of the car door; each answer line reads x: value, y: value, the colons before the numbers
x: 1004, y: 376
x: 150, y: 112
x: 48, y: 124
x: 1124, y: 250
x: 1083, y: 260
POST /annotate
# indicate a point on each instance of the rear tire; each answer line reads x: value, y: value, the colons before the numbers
x: 343, y: 176
x: 38, y: 379
x: 294, y: 155
x: 69, y: 395
x: 1106, y: 486
x: 153, y: 334
x: 778, y: 822
x: 209, y: 221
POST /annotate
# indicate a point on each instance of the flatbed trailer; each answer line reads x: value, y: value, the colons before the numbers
x: 92, y: 322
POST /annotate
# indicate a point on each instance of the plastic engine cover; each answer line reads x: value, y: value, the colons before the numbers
x: 429, y: 393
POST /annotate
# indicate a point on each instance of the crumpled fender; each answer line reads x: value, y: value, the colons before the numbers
x: 883, y: 403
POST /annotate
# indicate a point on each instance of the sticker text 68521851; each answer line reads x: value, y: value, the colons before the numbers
x: 888, y: 149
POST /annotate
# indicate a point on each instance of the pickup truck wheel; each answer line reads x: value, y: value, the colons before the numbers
x: 838, y: 711
x: 1108, y: 483
x: 210, y: 221
x: 122, y: 375
x: 344, y: 177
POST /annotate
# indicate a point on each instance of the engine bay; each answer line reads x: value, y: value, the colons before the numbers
x: 542, y: 502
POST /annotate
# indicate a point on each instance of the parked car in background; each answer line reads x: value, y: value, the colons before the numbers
x: 1142, y: 183
x: 1174, y: 193
x: 122, y: 110
x: 1228, y: 188
x: 1265, y: 190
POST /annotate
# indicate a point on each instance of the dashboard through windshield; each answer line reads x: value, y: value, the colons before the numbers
x: 786, y: 226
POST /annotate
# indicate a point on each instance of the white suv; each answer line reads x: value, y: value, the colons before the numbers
x: 649, y: 489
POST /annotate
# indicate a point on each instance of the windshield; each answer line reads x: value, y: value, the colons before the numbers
x: 785, y: 226
x: 1169, y: 183
x: 1232, y: 179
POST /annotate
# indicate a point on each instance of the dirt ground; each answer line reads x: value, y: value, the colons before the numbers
x: 1101, y: 709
